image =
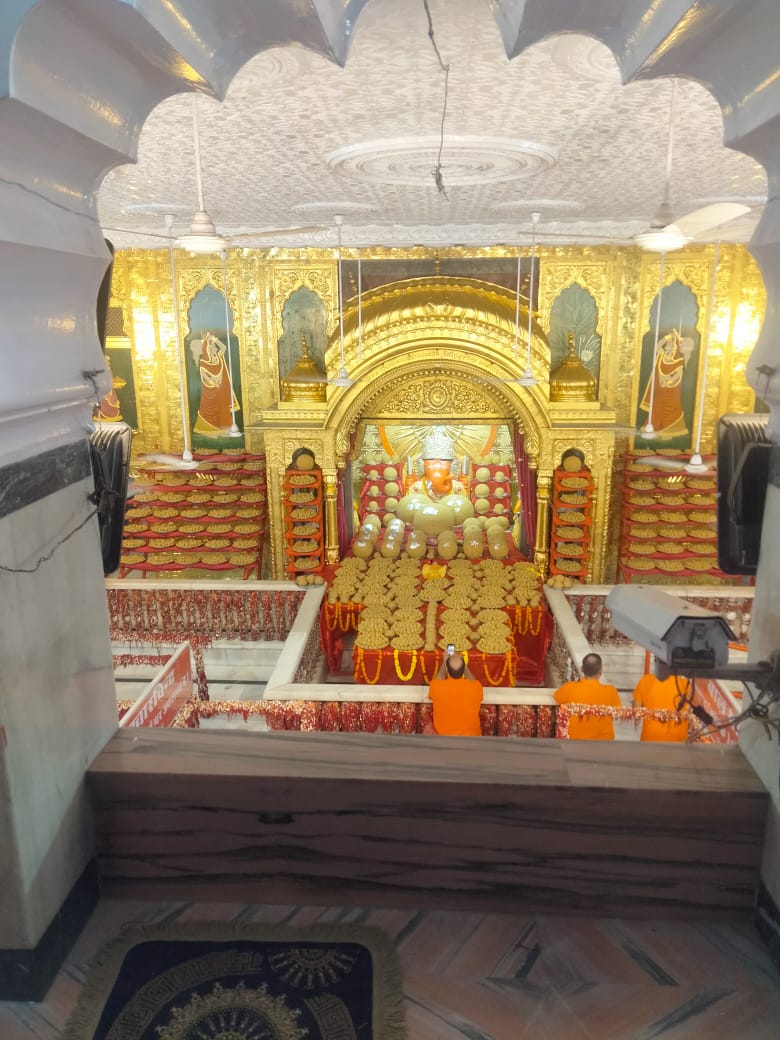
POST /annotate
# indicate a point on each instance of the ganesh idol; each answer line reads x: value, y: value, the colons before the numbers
x: 437, y: 478
x: 437, y: 500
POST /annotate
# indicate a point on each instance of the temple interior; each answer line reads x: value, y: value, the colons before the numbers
x: 253, y: 500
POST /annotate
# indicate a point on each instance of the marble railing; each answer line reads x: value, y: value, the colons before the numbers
x: 588, y: 604
x: 583, y: 624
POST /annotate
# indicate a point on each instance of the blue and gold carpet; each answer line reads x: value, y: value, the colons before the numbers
x: 244, y: 982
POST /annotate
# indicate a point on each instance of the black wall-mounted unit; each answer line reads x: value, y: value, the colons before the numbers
x: 743, y: 473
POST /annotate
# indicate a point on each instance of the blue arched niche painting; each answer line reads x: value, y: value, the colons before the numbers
x: 574, y: 312
x: 303, y: 314
x: 213, y: 375
x: 668, y: 374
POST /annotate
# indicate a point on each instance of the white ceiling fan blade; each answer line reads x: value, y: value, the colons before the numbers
x: 163, y: 461
x: 673, y: 465
x: 277, y: 232
x: 708, y: 217
x: 135, y: 231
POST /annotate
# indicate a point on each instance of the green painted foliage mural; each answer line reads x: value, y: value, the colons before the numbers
x: 574, y: 311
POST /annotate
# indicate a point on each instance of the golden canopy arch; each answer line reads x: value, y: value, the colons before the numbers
x: 432, y: 350
x: 457, y: 335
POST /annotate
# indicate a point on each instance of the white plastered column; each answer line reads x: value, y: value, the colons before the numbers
x: 78, y: 78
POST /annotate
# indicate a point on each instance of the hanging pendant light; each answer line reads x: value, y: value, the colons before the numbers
x: 527, y: 378
x: 234, y: 430
x: 647, y: 432
x: 342, y: 379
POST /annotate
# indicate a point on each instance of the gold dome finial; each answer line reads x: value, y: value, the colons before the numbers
x: 305, y: 382
x: 571, y: 380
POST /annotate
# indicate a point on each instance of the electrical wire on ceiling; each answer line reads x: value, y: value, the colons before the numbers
x: 437, y: 172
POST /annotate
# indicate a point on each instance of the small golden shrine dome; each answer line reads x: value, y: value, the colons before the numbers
x: 304, y: 382
x: 571, y: 380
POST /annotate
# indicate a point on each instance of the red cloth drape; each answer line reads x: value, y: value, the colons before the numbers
x: 526, y: 486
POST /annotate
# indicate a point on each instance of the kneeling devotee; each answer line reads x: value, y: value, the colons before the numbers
x: 662, y: 695
x: 590, y: 690
x: 456, y: 697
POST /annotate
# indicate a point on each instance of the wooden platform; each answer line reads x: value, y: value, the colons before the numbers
x: 488, y: 824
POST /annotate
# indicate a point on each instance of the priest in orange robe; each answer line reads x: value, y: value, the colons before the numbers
x: 590, y: 690
x: 662, y: 695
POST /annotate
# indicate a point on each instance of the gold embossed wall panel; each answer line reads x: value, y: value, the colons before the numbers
x: 747, y: 299
x: 436, y: 398
x: 284, y: 278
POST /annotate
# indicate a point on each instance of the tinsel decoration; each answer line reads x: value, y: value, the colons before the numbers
x: 488, y: 718
x: 330, y: 717
x: 601, y: 711
x: 506, y: 720
x: 545, y: 720
x: 525, y: 715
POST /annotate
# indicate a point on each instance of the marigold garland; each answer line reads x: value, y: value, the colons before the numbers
x: 505, y: 671
x: 423, y: 670
x: 360, y: 665
x: 398, y: 670
x: 524, y: 620
x: 341, y: 615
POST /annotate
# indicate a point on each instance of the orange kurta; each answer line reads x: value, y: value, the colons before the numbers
x: 652, y: 692
x: 456, y: 707
x: 589, y: 691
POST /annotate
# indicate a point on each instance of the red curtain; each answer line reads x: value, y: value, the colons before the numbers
x: 526, y: 486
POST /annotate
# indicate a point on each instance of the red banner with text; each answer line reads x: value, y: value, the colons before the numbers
x: 166, y: 694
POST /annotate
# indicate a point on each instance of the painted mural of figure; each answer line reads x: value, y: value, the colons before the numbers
x: 664, y: 386
x: 214, y: 412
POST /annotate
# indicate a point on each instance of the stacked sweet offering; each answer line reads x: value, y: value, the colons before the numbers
x: 409, y: 605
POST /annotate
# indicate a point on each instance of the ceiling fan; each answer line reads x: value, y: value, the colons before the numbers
x: 202, y: 236
x: 667, y: 233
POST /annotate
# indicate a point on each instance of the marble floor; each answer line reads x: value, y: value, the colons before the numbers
x: 505, y: 977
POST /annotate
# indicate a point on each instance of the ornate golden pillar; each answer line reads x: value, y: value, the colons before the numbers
x: 331, y: 481
x: 542, y: 544
x: 284, y: 430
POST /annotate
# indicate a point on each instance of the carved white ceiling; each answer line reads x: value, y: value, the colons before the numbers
x: 299, y: 139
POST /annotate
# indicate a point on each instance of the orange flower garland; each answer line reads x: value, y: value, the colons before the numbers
x: 524, y: 620
x: 506, y: 671
x: 360, y: 666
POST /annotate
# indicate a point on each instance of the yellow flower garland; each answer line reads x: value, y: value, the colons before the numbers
x: 506, y: 669
x: 527, y: 614
x: 360, y: 664
x: 398, y: 672
x: 437, y: 664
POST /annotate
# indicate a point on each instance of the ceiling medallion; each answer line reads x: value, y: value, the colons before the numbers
x: 465, y: 160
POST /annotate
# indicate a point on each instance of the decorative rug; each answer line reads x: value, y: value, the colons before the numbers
x: 243, y: 982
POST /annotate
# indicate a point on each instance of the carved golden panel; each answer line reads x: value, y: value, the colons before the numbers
x: 435, y: 397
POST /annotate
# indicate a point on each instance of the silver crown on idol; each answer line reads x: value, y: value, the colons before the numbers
x: 437, y: 445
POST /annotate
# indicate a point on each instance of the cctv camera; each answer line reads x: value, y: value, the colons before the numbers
x: 680, y: 634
